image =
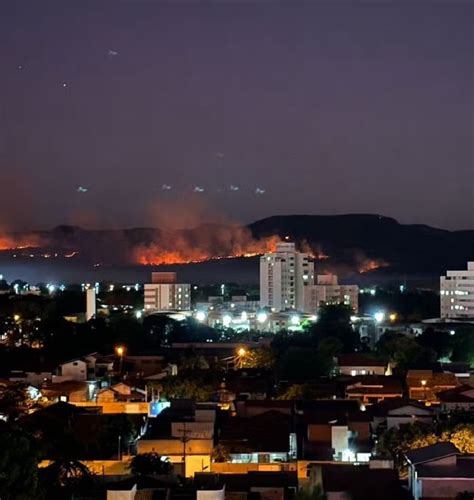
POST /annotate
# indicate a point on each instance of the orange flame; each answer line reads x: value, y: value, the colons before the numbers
x: 231, y: 242
x: 372, y: 265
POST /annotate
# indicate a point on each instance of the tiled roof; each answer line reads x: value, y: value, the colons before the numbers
x: 428, y: 453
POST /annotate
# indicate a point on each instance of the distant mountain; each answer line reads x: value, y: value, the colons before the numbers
x: 349, y: 245
x: 406, y: 248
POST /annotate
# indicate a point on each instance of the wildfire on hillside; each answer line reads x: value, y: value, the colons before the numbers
x: 11, y: 243
x: 230, y: 243
x: 372, y: 265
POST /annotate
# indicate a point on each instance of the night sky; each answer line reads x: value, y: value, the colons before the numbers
x: 328, y: 107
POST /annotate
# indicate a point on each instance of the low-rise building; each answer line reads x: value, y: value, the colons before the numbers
x: 360, y: 364
x: 164, y: 293
x: 458, y: 399
x: 424, y: 385
x: 373, y: 389
x: 328, y: 291
x: 440, y: 472
x: 457, y: 294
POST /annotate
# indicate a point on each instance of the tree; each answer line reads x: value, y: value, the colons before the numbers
x: 398, y: 440
x: 299, y: 392
x: 403, y: 351
x: 64, y: 477
x: 183, y: 387
x: 335, y: 321
x: 14, y: 401
x: 146, y: 464
x: 462, y: 436
x: 260, y: 358
x: 18, y: 465
x: 220, y: 454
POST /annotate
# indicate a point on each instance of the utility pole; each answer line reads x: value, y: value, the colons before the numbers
x: 184, y: 440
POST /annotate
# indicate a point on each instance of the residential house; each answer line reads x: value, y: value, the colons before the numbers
x: 120, y: 392
x: 393, y: 412
x: 373, y: 389
x: 360, y: 364
x: 265, y: 485
x: 263, y: 438
x: 69, y: 391
x: 362, y: 482
x: 460, y: 398
x: 184, y: 433
x: 424, y: 385
x: 440, y: 472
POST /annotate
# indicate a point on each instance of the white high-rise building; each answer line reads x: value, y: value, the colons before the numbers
x: 91, y: 308
x: 327, y: 291
x: 284, y: 274
x: 164, y: 294
x: 457, y: 294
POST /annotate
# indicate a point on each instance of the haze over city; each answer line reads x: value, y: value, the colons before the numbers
x: 122, y: 113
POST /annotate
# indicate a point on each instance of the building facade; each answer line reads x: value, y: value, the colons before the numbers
x: 457, y: 294
x: 165, y: 294
x: 284, y: 275
x: 327, y: 291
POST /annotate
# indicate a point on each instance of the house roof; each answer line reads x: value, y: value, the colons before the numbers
x: 61, y: 388
x: 462, y: 394
x: 268, y: 431
x: 244, y: 482
x: 362, y: 482
x: 375, y: 385
x: 464, y: 468
x: 429, y: 453
x: 414, y: 378
x: 359, y: 359
x: 383, y: 408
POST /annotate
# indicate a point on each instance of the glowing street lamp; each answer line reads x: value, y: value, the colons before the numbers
x: 120, y: 351
x: 262, y: 317
x: 227, y: 320
x: 379, y: 316
x: 295, y: 320
x: 201, y: 316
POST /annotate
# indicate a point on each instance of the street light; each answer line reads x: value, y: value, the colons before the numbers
x: 262, y: 317
x: 423, y: 384
x: 379, y: 316
x: 120, y: 350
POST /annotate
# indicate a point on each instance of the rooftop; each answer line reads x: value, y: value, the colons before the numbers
x: 429, y: 453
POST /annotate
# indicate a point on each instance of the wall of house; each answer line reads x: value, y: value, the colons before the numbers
x: 362, y: 370
x: 168, y: 447
x: 319, y: 433
x: 118, y: 407
x: 78, y: 396
x: 74, y: 370
x: 395, y: 421
x: 196, y: 430
x: 445, y: 488
x: 210, y: 494
x: 362, y: 429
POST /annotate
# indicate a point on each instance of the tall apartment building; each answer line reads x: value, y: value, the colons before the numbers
x: 457, y: 294
x: 284, y: 275
x: 327, y: 290
x: 164, y: 293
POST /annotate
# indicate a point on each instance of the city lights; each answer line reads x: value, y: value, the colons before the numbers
x: 262, y: 317
x: 201, y: 316
x: 379, y: 316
